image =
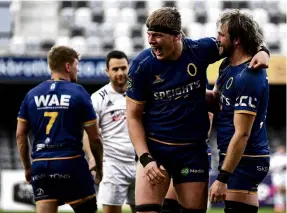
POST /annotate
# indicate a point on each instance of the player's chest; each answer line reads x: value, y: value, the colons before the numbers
x: 113, y: 109
x: 172, y: 75
x: 227, y: 94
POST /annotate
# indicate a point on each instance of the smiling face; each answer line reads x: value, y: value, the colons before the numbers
x: 118, y: 71
x: 226, y: 46
x: 162, y: 44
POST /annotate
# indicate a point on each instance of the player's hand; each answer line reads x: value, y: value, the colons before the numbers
x: 260, y: 60
x: 217, y: 192
x: 154, y: 173
x: 98, y: 175
x: 28, y: 175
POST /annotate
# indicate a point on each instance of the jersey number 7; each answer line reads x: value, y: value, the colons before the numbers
x: 53, y: 116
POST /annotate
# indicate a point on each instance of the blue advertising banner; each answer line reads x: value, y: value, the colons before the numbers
x: 34, y: 70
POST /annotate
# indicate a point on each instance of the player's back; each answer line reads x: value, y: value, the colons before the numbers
x: 56, y: 113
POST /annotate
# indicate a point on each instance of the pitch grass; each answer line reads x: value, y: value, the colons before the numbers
x: 214, y: 210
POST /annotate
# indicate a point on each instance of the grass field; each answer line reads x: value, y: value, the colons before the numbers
x: 214, y: 210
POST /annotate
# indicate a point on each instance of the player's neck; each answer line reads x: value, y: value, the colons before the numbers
x: 238, y: 57
x: 58, y: 75
x: 119, y: 89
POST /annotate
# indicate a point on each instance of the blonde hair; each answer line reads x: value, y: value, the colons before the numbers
x: 167, y: 17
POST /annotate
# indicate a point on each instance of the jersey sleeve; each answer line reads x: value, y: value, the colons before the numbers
x: 137, y: 87
x: 23, y: 112
x: 250, y: 87
x: 88, y: 113
x: 208, y: 50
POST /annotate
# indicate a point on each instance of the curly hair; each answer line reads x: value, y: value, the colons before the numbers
x: 243, y: 27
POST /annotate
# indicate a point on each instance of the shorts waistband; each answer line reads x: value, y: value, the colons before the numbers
x: 251, y: 156
x: 170, y: 143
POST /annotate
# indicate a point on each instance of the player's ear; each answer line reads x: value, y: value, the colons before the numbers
x: 236, y: 41
x: 68, y: 67
x: 177, y: 37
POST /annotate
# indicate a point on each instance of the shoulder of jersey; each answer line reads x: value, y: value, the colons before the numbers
x: 99, y: 94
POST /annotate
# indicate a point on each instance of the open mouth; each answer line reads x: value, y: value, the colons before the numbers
x: 157, y: 50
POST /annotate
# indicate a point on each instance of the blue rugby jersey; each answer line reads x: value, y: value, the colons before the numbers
x: 242, y: 90
x: 56, y: 112
x: 174, y: 92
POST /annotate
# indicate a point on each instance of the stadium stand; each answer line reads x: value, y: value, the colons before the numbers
x: 87, y: 19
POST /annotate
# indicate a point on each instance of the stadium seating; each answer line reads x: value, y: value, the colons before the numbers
x: 107, y: 20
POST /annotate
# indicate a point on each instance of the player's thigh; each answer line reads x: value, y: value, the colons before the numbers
x: 244, y: 181
x: 115, y: 184
x: 77, y: 185
x: 250, y: 198
x: 190, y: 175
x: 47, y: 207
x: 145, y: 192
x: 171, y: 192
x: 192, y: 195
x: 112, y: 209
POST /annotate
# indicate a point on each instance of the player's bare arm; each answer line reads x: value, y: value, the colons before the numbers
x: 243, y: 125
x: 137, y: 135
x: 87, y: 150
x: 22, y: 137
x: 212, y: 96
x: 96, y: 148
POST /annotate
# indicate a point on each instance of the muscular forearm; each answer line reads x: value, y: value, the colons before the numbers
x: 137, y: 135
x: 24, y: 151
x: 87, y: 148
x: 97, y: 151
x: 234, y: 152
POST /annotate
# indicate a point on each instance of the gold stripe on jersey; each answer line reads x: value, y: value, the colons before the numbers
x: 58, y: 158
x: 82, y: 199
x: 251, y: 156
x: 22, y: 119
x: 240, y: 191
x: 245, y: 112
x: 168, y: 143
x: 134, y: 101
x: 88, y: 123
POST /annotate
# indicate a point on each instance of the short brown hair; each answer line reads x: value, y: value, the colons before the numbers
x: 242, y: 26
x: 168, y: 17
x: 58, y: 56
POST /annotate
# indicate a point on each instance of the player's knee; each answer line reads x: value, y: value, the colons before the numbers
x: 90, y: 206
x: 238, y: 207
x: 170, y: 206
x: 148, y: 208
x: 185, y: 210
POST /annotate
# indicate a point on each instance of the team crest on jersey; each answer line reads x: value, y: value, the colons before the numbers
x: 129, y: 83
x: 158, y: 79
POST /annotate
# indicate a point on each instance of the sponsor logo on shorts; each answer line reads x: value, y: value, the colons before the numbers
x: 185, y: 171
x: 262, y: 168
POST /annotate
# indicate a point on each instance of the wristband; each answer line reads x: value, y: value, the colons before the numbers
x: 264, y: 49
x: 145, y: 159
x: 223, y: 176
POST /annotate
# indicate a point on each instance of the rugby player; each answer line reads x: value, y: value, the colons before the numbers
x: 167, y: 114
x: 243, y: 95
x: 57, y: 112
